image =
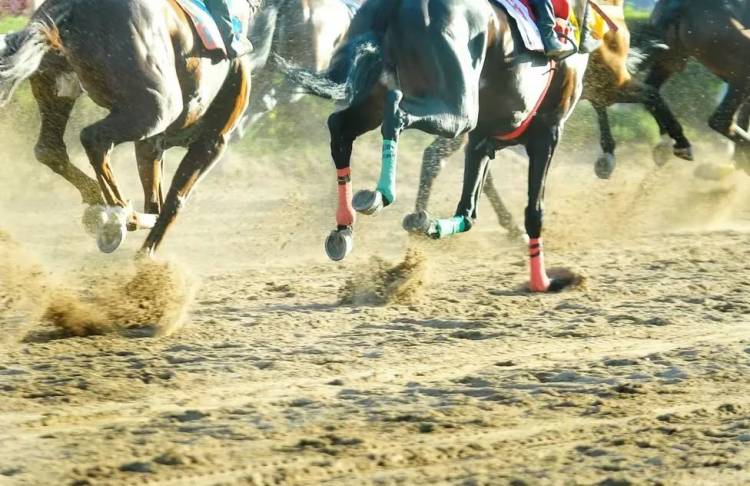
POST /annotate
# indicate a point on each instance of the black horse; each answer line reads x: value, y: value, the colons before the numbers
x: 446, y: 67
x: 714, y: 32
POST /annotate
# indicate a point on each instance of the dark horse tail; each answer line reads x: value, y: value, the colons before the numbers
x: 357, y: 64
x: 22, y: 52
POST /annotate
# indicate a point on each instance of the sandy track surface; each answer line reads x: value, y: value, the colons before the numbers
x: 637, y: 376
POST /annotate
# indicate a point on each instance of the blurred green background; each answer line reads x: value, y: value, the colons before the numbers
x: 692, y: 95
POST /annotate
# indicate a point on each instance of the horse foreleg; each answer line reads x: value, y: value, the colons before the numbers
x: 665, y: 66
x: 345, y: 126
x: 200, y: 158
x: 541, y: 148
x: 605, y: 164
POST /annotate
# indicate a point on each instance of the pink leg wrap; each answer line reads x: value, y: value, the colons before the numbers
x: 539, y: 280
x: 345, y: 212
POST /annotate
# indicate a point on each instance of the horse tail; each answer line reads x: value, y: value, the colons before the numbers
x: 21, y: 53
x: 355, y: 68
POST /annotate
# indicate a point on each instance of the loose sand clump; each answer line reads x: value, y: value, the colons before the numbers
x: 382, y: 283
x: 154, y: 300
x: 151, y: 297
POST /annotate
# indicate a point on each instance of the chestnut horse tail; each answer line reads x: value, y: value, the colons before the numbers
x: 22, y: 52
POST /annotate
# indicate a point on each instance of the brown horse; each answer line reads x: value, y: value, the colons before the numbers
x: 141, y: 60
x: 716, y: 34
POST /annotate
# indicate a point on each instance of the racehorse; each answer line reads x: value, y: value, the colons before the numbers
x: 305, y: 32
x: 143, y: 61
x: 446, y: 67
x: 716, y: 34
x: 608, y: 80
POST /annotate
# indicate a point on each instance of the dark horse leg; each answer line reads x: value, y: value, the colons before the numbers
x: 543, y: 139
x: 605, y: 164
x: 664, y: 66
x: 432, y: 163
x: 221, y: 118
x: 54, y: 111
x: 345, y: 126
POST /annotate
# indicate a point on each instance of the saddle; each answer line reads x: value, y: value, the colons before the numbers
x: 204, y: 24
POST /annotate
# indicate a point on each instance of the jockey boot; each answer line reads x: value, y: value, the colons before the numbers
x: 554, y: 48
x: 236, y: 44
x: 588, y: 43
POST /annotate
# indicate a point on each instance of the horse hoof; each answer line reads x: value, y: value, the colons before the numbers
x: 339, y: 244
x: 713, y: 172
x: 662, y: 153
x: 94, y: 217
x: 111, y: 235
x: 368, y: 202
x: 417, y: 222
x: 605, y: 166
x: 684, y: 153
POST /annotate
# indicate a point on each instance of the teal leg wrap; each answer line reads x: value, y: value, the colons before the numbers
x: 387, y: 181
x: 451, y: 226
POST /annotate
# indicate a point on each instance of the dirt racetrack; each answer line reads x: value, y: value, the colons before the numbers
x: 638, y: 376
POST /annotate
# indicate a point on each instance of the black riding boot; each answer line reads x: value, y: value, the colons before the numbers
x: 236, y: 44
x: 546, y: 21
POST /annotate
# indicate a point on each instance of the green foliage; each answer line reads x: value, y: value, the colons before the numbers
x: 12, y: 24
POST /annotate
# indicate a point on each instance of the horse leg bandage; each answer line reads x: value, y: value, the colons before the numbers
x: 345, y: 212
x: 387, y: 181
x: 451, y: 226
x: 539, y: 282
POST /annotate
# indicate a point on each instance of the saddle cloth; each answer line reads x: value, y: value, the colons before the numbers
x: 521, y: 12
x: 204, y: 23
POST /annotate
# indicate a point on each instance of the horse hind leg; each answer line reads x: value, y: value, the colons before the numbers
x: 433, y: 159
x: 55, y: 105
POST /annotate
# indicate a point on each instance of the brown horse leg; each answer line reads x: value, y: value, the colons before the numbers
x: 150, y: 160
x: 50, y: 149
x: 200, y: 158
x: 100, y: 139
